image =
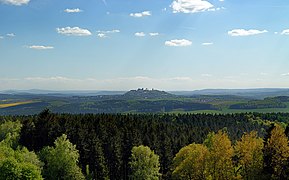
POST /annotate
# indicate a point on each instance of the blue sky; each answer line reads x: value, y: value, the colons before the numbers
x: 128, y: 44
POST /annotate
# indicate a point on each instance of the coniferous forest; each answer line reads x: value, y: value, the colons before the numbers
x: 145, y: 146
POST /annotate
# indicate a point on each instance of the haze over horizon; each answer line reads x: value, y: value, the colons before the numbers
x: 123, y: 45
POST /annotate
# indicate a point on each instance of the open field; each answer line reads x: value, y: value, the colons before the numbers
x: 16, y: 104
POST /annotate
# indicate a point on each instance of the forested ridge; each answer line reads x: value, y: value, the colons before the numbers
x: 105, y: 141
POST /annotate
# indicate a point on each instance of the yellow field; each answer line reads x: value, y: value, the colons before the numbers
x: 15, y: 104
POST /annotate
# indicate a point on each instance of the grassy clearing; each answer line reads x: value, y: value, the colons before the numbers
x: 16, y: 104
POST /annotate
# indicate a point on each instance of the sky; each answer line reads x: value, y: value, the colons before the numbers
x: 130, y: 44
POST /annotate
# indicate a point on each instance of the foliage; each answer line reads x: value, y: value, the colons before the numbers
x: 220, y: 164
x: 276, y: 153
x: 105, y: 141
x: 190, y: 162
x: 61, y: 160
x: 16, y: 162
x: 10, y: 132
x: 249, y: 152
x: 144, y: 164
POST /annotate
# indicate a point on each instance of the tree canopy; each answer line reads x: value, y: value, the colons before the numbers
x: 16, y: 162
x: 144, y: 164
x: 61, y: 160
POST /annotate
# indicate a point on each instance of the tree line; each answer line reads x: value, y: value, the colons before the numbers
x: 105, y: 141
x: 251, y: 157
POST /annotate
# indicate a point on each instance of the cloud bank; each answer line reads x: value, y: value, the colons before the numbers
x: 201, y: 81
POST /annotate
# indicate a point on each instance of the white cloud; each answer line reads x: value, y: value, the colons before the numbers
x: 37, y: 47
x: 118, y: 83
x: 178, y: 42
x: 101, y: 35
x: 190, y: 6
x: 181, y: 79
x: 107, y: 32
x: 115, y: 31
x: 285, y: 32
x: 243, y: 32
x: 76, y: 10
x: 206, y: 75
x: 216, y: 9
x: 127, y: 83
x: 154, y: 34
x: 221, y: 0
x: 141, y: 14
x: 73, y: 31
x: 10, y: 35
x: 207, y: 43
x: 140, y: 34
x: 53, y: 78
x: 1, y: 37
x: 15, y: 2
x: 285, y: 74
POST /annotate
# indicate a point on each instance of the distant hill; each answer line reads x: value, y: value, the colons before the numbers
x: 145, y: 101
x: 62, y: 93
x: 258, y: 93
x: 148, y: 94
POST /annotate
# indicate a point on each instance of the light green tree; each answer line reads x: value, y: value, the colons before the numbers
x: 144, y: 164
x: 276, y: 153
x: 10, y: 133
x: 16, y: 162
x: 61, y: 160
x: 190, y: 162
x: 220, y: 165
x: 249, y: 152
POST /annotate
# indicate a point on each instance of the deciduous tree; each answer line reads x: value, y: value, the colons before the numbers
x: 16, y: 162
x: 61, y: 160
x: 144, y: 164
x: 249, y: 152
x: 220, y: 164
x: 190, y: 162
x: 276, y: 153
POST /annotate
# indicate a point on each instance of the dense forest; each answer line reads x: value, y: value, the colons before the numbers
x: 275, y: 102
x: 101, y: 145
